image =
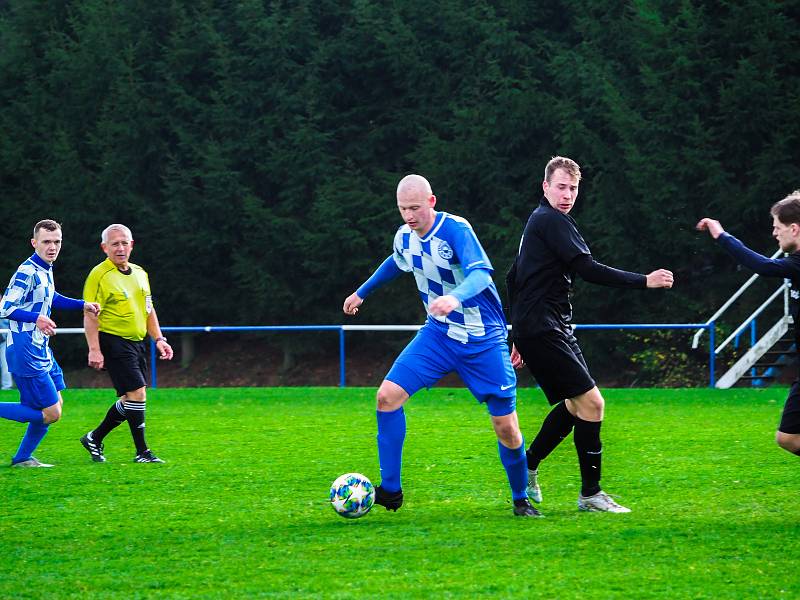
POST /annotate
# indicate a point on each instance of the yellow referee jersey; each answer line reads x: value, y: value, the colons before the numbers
x: 125, y: 300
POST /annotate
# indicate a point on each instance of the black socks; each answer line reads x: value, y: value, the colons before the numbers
x: 590, y: 454
x: 555, y: 428
x: 114, y: 417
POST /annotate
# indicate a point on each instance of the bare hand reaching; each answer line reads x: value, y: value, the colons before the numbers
x: 351, y: 304
x: 660, y: 278
x: 711, y: 225
x: 92, y: 308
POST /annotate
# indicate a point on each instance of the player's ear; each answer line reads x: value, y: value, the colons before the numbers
x: 432, y: 200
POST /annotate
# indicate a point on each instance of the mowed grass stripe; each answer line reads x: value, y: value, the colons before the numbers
x: 240, y: 509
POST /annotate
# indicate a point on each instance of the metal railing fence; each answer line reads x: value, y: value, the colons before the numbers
x: 342, y: 329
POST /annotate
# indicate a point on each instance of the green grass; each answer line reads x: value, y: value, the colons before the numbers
x: 241, y: 510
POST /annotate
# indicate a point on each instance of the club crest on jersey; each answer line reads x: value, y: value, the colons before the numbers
x: 445, y: 251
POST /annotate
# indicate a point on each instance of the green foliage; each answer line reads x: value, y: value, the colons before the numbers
x: 254, y: 147
x: 240, y: 509
x: 665, y: 360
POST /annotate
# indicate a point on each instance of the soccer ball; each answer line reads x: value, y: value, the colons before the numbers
x: 352, y: 495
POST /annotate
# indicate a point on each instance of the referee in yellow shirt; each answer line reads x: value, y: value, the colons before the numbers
x: 116, y: 339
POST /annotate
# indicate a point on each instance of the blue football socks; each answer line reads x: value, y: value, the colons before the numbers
x: 30, y: 441
x: 391, y: 435
x: 14, y: 411
x: 516, y: 466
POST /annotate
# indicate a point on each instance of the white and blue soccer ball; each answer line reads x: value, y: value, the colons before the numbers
x: 352, y: 495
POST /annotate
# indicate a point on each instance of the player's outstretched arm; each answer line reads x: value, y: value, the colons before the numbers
x: 383, y: 274
x: 351, y: 304
x: 661, y: 278
x: 712, y: 226
x: 763, y: 265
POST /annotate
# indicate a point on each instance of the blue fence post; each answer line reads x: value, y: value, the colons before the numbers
x: 342, y: 379
x: 153, y: 352
x: 753, y: 341
x: 712, y: 357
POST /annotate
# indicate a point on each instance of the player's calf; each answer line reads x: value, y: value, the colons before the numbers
x: 788, y: 441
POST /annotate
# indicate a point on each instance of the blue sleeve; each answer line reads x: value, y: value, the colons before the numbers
x: 62, y: 302
x: 473, y: 284
x: 469, y: 251
x: 768, y: 267
x: 384, y: 274
x: 24, y: 316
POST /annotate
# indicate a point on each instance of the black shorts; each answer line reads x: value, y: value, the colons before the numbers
x: 125, y: 361
x: 556, y: 361
x: 790, y: 419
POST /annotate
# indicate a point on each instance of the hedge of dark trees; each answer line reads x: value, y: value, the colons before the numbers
x: 254, y: 147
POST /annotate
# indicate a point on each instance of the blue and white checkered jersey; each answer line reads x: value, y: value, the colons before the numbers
x: 32, y: 289
x: 440, y: 261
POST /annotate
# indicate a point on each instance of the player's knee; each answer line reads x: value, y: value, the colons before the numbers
x: 506, y: 428
x: 589, y: 406
x: 390, y: 397
x: 51, y: 414
x: 788, y: 441
x: 509, y: 435
x: 386, y: 402
x: 137, y: 395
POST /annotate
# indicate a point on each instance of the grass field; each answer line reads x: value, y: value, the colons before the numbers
x: 240, y: 509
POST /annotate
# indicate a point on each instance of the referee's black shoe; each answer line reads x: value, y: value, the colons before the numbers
x: 391, y: 500
x: 523, y: 508
x: 94, y: 449
x: 147, y: 457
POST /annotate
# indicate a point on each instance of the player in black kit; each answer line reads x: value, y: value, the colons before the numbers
x: 552, y: 251
x: 786, y: 230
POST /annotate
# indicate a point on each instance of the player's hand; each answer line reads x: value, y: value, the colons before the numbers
x: 516, y: 358
x: 164, y: 350
x: 46, y: 325
x: 443, y: 306
x: 92, y: 308
x: 711, y: 225
x: 351, y: 304
x: 660, y: 279
x: 96, y: 359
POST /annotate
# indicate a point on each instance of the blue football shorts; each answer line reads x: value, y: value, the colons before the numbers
x: 40, y: 391
x: 484, y: 367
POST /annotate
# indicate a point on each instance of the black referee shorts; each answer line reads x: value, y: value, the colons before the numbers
x: 125, y: 361
x: 790, y: 419
x: 556, y: 362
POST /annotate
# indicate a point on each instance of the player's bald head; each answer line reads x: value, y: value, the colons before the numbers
x: 414, y: 185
